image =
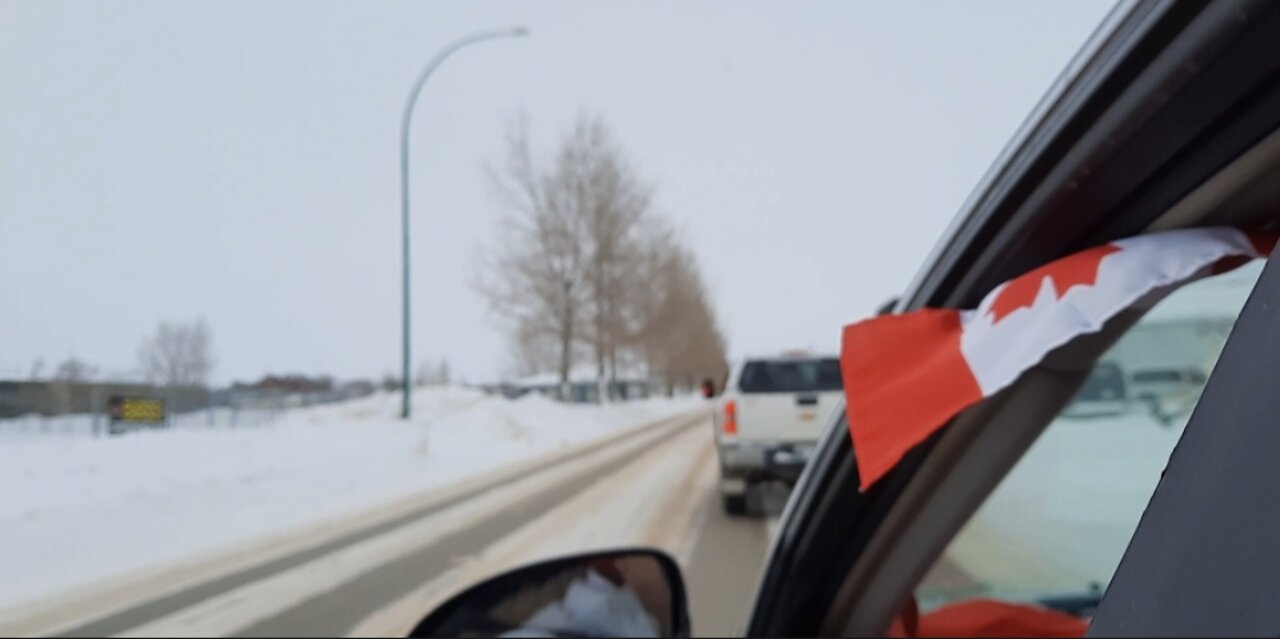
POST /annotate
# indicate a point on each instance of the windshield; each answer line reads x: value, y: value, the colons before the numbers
x: 791, y: 376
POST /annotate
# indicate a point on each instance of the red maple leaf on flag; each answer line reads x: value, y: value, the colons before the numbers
x: 1079, y: 269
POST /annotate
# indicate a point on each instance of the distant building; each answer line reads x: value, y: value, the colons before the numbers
x: 278, y: 391
x: 289, y: 384
x: 52, y: 397
x: 284, y: 391
x: 583, y: 387
x: 357, y: 388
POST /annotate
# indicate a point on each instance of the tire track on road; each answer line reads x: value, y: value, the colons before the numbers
x: 340, y: 610
x: 132, y: 616
x: 652, y: 501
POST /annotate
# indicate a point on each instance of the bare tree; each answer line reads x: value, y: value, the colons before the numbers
x: 74, y: 370
x: 584, y: 261
x: 432, y: 373
x: 178, y: 354
x: 532, y: 352
x: 680, y: 337
x: 68, y: 374
x: 536, y: 278
x: 614, y: 204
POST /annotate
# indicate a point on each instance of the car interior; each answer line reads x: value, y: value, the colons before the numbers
x: 982, y: 445
x: 1167, y: 120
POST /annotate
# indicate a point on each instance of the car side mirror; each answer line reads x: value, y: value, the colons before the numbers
x: 616, y: 593
x: 888, y: 306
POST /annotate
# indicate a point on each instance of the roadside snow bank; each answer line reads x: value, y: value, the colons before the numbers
x: 79, y: 509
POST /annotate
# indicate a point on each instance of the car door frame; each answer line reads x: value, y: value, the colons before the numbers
x: 1099, y: 159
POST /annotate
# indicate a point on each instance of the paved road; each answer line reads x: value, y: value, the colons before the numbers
x: 724, y: 570
x: 653, y: 487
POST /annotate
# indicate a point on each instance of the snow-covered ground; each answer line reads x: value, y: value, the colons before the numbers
x: 79, y: 425
x: 77, y: 510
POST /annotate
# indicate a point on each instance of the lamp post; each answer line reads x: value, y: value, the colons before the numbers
x: 404, y: 182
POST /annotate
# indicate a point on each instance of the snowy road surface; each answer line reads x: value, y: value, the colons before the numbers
x: 79, y: 509
x: 376, y: 574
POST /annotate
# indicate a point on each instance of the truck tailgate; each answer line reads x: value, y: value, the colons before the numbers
x: 788, y: 417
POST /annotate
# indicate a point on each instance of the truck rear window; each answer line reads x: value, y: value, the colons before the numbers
x: 791, y: 376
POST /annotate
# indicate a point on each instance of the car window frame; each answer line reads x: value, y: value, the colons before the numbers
x: 1036, y: 205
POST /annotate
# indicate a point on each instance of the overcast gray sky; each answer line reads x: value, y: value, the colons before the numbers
x: 238, y: 160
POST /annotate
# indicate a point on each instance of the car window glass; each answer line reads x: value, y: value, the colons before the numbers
x: 1055, y: 528
x: 791, y: 376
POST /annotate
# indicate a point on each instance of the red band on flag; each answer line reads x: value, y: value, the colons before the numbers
x: 888, y: 364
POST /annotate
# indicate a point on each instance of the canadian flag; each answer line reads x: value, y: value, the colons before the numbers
x: 905, y: 376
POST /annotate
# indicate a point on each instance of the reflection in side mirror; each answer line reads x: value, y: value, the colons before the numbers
x: 619, y: 593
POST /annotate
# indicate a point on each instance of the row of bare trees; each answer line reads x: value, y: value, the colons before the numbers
x: 176, y: 354
x: 586, y: 271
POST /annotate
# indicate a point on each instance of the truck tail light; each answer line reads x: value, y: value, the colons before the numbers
x: 730, y: 426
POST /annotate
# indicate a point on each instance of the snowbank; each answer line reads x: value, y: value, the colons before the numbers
x: 80, y: 509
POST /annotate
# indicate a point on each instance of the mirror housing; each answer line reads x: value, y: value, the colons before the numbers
x: 888, y: 306
x: 633, y: 592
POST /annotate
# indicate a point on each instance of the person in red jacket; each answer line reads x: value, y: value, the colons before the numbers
x: 708, y: 388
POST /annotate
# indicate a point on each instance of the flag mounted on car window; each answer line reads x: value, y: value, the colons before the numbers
x: 905, y: 376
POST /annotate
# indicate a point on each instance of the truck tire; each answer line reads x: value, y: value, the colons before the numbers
x: 734, y: 505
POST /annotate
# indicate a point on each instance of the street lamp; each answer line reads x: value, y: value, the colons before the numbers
x: 404, y: 179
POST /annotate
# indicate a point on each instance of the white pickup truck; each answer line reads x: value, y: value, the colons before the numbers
x: 768, y: 421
